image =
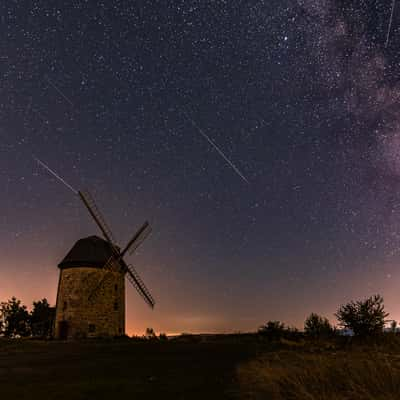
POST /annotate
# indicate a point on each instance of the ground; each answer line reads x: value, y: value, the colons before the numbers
x: 225, y: 367
x: 116, y: 369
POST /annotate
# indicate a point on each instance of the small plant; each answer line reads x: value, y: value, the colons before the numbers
x: 150, y: 334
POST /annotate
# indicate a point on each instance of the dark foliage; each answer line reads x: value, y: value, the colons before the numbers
x: 16, y: 321
x: 272, y: 329
x: 42, y: 318
x: 275, y: 330
x: 15, y: 318
x: 364, y: 317
x: 317, y: 326
x: 150, y: 334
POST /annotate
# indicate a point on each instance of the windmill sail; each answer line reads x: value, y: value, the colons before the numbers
x: 133, y: 277
x: 137, y: 282
x: 97, y: 215
x: 116, y: 262
x: 137, y: 239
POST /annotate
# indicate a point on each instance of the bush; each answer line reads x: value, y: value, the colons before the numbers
x: 150, y: 334
x: 317, y: 326
x: 364, y: 317
x: 272, y: 330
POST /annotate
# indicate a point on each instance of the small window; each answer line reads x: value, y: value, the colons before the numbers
x: 64, y: 306
x: 115, y: 287
x: 92, y: 328
x: 115, y: 305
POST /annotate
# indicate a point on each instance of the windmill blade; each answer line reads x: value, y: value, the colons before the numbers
x: 97, y: 216
x: 137, y: 239
x: 133, y: 278
x: 114, y: 262
x: 141, y: 239
x: 137, y: 282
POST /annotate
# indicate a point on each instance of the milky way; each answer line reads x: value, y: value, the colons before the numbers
x: 301, y: 96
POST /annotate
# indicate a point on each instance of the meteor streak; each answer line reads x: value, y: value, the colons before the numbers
x: 48, y: 169
x: 59, y: 91
x: 390, y: 23
x: 221, y: 153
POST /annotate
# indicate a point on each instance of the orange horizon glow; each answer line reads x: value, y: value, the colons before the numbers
x: 164, y: 323
x: 197, y: 315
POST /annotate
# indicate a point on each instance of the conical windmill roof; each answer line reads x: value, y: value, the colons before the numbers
x: 88, y: 252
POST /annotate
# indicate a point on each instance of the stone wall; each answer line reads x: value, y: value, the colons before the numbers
x: 79, y: 317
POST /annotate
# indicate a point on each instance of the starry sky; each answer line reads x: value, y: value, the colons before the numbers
x: 261, y: 139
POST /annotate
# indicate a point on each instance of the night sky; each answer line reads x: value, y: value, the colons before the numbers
x: 261, y: 139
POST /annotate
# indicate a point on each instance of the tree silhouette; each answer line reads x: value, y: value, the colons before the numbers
x: 363, y: 317
x: 42, y: 318
x: 15, y: 318
x: 317, y: 326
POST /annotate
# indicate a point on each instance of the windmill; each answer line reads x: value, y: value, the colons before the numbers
x: 91, y: 289
x: 91, y: 286
x: 116, y: 260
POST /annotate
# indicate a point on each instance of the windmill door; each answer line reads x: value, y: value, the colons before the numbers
x: 63, y: 330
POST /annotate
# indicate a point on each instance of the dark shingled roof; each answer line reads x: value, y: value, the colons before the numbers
x: 88, y: 252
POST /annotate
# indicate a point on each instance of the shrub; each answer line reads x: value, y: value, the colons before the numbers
x: 272, y: 329
x: 364, y: 317
x: 317, y: 326
x: 150, y: 334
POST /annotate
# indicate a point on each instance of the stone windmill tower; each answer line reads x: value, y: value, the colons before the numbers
x: 91, y: 288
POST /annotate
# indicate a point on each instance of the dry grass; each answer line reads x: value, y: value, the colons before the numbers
x: 221, y: 367
x: 294, y: 374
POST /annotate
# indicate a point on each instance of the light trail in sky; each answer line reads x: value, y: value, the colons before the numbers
x: 47, y: 168
x: 221, y: 153
x: 390, y: 23
x: 59, y: 91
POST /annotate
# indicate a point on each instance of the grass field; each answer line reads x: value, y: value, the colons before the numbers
x: 226, y: 367
x: 317, y: 372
